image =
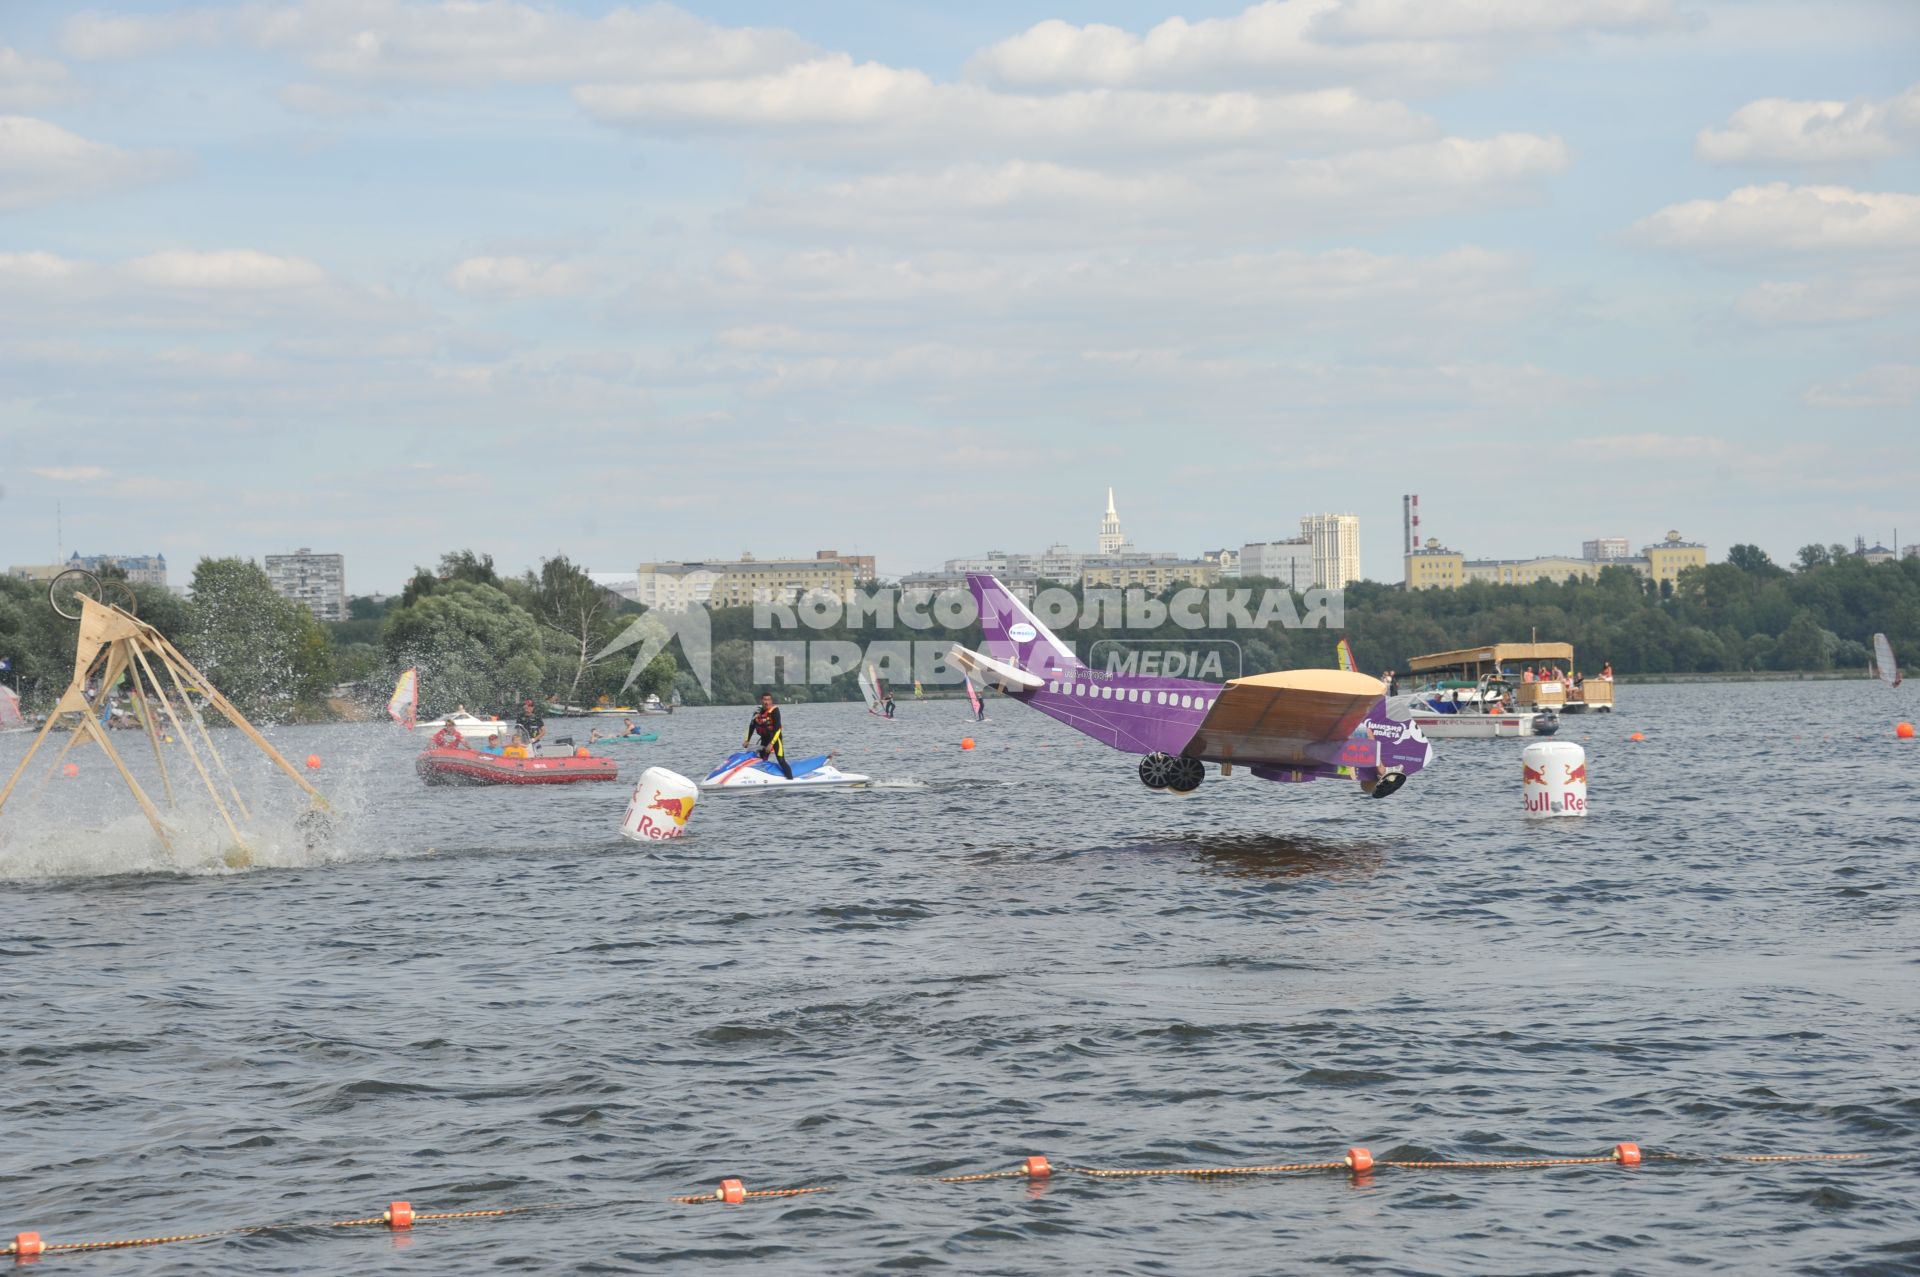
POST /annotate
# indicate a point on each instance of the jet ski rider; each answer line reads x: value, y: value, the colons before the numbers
x: 766, y: 725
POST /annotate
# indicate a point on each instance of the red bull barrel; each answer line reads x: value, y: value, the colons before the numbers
x: 661, y: 805
x: 1553, y: 778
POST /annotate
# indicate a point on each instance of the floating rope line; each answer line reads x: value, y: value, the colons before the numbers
x: 1358, y: 1163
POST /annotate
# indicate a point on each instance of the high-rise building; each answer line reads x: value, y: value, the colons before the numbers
x: 1336, y: 548
x: 318, y: 581
x: 1111, y: 539
x: 1602, y: 549
x: 1289, y: 561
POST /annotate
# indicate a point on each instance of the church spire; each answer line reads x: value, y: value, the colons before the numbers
x: 1111, y: 538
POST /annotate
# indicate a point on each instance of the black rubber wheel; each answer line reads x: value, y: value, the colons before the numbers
x: 1388, y: 785
x: 1187, y: 775
x: 66, y: 590
x: 1156, y: 771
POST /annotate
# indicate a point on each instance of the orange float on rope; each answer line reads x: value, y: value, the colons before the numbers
x: 399, y: 1215
x: 1359, y: 1160
x: 732, y: 1192
x: 1904, y: 731
x: 966, y: 742
x: 581, y: 752
x: 1037, y: 1168
x: 28, y: 1245
x: 313, y: 762
x: 70, y: 770
x: 1627, y: 1154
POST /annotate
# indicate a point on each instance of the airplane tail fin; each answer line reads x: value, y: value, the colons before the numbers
x: 1013, y: 635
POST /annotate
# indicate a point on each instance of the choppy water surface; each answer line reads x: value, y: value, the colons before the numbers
x: 485, y: 998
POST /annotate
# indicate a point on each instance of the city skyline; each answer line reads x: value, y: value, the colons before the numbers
x: 395, y: 276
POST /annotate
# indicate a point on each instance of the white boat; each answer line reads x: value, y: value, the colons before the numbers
x: 745, y: 772
x: 1468, y: 714
x: 470, y: 727
x: 654, y: 705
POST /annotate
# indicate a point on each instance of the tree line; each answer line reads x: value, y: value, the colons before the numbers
x: 486, y: 641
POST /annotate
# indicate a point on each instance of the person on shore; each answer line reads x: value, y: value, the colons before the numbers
x: 766, y: 725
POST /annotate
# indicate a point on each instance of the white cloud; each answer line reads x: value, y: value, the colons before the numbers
x: 1043, y: 202
x: 1882, y: 386
x: 518, y: 277
x: 68, y: 474
x: 454, y: 41
x: 870, y: 106
x: 244, y: 270
x: 41, y: 163
x: 29, y: 82
x: 1779, y: 217
x: 1776, y: 131
x: 1402, y: 45
x: 1883, y: 289
x: 1453, y: 19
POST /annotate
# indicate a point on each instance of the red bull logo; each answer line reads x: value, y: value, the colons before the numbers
x: 1577, y: 773
x: 678, y: 808
x: 1532, y: 775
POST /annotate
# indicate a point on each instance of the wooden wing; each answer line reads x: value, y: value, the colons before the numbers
x: 1275, y: 718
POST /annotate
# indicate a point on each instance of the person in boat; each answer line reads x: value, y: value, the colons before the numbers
x: 1606, y: 672
x: 1526, y: 675
x: 517, y: 746
x: 628, y: 728
x: 493, y: 745
x: 766, y: 725
x: 530, y: 721
x: 448, y: 737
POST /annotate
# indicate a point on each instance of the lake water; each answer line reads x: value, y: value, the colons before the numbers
x: 485, y: 997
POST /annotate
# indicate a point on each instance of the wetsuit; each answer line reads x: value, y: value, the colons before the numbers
x: 766, y: 725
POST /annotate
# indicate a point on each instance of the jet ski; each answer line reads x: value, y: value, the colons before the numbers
x: 744, y: 772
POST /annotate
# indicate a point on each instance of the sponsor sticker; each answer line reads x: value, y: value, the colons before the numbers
x: 1021, y: 632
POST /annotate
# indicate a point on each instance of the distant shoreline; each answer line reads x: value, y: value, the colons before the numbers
x: 1746, y: 676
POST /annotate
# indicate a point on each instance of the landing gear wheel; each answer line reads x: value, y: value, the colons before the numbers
x: 1388, y: 784
x: 1187, y: 775
x: 66, y: 590
x: 1156, y: 770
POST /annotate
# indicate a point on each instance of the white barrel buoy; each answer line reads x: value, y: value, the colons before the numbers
x: 661, y: 806
x: 1554, y: 778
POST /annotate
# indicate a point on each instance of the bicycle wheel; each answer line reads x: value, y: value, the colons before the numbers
x: 65, y: 591
x: 120, y: 594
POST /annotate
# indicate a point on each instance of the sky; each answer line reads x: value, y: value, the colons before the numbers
x: 394, y: 277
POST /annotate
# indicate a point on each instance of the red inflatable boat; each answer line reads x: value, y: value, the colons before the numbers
x: 450, y: 766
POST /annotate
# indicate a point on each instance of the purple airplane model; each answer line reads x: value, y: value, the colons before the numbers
x: 1293, y: 725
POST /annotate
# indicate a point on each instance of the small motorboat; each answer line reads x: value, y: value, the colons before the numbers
x: 744, y: 772
x: 470, y: 727
x: 451, y: 766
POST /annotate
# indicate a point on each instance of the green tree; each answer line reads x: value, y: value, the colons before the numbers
x: 1811, y: 557
x: 578, y: 618
x: 1751, y: 558
x: 266, y: 654
x: 474, y: 646
x: 1803, y: 646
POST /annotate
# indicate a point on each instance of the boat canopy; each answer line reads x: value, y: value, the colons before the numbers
x: 1496, y: 655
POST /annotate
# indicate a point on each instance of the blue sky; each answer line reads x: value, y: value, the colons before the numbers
x: 391, y: 277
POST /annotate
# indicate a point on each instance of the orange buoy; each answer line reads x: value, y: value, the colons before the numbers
x: 399, y: 1215
x: 28, y: 1246
x: 1904, y: 731
x: 1037, y: 1168
x: 1359, y: 1160
x: 1627, y: 1154
x: 70, y: 770
x: 581, y: 752
x: 732, y: 1192
x: 1637, y: 736
x: 313, y: 762
x: 966, y: 742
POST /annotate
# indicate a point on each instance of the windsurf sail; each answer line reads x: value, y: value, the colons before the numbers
x: 870, y: 689
x: 1884, y: 666
x: 10, y: 715
x: 973, y: 699
x: 1343, y: 650
x: 404, y: 705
